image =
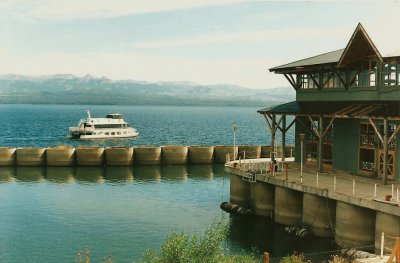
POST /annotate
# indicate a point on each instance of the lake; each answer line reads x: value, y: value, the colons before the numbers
x: 48, y: 214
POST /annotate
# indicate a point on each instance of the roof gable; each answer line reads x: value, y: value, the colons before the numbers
x: 359, y: 47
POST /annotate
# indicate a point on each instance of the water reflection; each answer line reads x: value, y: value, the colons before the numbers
x: 174, y: 172
x: 30, y: 174
x: 60, y: 175
x: 120, y: 174
x: 89, y: 175
x: 147, y: 173
x: 7, y: 174
x: 201, y: 171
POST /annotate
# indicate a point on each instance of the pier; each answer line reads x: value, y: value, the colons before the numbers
x: 352, y: 210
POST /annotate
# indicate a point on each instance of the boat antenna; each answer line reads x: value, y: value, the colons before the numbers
x: 88, y: 113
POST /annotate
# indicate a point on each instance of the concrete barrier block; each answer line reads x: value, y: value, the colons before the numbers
x: 119, y: 156
x: 62, y: 155
x: 7, y: 156
x: 31, y: 156
x: 249, y: 151
x: 174, y: 154
x: 221, y: 151
x: 147, y: 155
x: 201, y: 154
x: 90, y: 156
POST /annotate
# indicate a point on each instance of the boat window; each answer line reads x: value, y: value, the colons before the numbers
x: 118, y: 132
x: 113, y: 133
x: 107, y: 133
x: 125, y: 132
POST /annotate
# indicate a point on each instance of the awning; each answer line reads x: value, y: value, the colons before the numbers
x: 339, y: 109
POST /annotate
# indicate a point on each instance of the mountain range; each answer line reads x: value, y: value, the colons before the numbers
x: 70, y: 89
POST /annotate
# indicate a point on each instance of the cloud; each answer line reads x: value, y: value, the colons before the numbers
x: 78, y: 9
x: 243, y: 37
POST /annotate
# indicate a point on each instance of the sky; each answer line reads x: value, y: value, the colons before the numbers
x: 202, y: 41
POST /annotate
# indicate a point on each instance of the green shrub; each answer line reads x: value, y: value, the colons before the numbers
x: 206, y: 248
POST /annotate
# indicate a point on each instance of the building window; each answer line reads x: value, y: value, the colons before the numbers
x: 367, y: 148
x: 391, y: 74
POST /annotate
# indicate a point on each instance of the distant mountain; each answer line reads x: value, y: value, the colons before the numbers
x: 69, y: 89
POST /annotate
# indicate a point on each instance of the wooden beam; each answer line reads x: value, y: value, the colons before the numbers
x: 344, y: 83
x: 327, y: 127
x: 394, y: 134
x: 315, y: 81
x: 328, y: 79
x: 291, y: 81
x: 269, y: 124
x: 375, y: 129
x: 315, y: 128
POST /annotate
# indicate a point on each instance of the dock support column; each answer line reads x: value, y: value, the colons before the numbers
x: 262, y: 199
x: 355, y: 225
x: 319, y: 213
x: 288, y: 206
x: 321, y: 146
x: 239, y: 191
x: 390, y: 225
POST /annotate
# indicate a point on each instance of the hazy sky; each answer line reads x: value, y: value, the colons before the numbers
x: 203, y: 41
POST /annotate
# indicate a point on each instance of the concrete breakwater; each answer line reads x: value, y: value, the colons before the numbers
x: 125, y: 156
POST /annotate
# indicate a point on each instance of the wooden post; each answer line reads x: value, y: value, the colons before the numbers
x: 273, y: 133
x: 266, y: 257
x: 320, y: 146
x: 395, y: 252
x: 283, y: 130
x: 385, y: 150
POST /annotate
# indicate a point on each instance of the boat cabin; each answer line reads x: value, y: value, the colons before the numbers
x: 114, y: 116
x: 347, y: 109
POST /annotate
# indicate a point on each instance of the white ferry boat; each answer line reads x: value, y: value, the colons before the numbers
x: 112, y: 126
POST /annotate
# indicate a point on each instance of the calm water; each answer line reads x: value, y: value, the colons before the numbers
x: 49, y: 214
x: 47, y: 125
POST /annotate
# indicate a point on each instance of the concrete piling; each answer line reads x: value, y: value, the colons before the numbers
x: 319, y: 214
x: 288, y: 206
x: 262, y: 199
x: 390, y: 225
x: 355, y: 225
x: 239, y: 191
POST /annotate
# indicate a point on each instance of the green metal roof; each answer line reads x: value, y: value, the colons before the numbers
x: 347, y: 109
x: 330, y: 57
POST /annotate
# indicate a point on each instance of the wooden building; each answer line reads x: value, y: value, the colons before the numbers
x: 347, y: 109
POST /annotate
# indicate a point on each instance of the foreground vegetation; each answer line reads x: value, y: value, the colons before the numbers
x: 206, y: 248
x: 201, y: 248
